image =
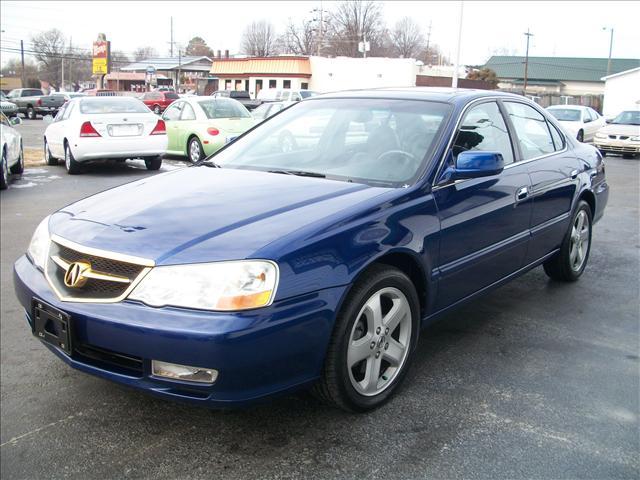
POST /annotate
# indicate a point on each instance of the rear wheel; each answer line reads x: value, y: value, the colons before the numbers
x: 73, y: 167
x: 194, y: 148
x: 569, y: 263
x: 372, y: 343
x: 153, y: 163
x: 18, y: 168
x: 4, y: 179
x: 31, y: 113
x: 47, y: 155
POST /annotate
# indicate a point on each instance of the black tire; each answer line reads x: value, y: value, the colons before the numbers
x: 559, y: 267
x: 153, y: 163
x: 193, y: 144
x: 628, y: 156
x: 157, y: 110
x: 4, y: 178
x: 73, y: 167
x: 603, y: 153
x: 47, y: 155
x: 31, y: 113
x: 335, y: 387
x: 580, y: 136
x: 18, y: 168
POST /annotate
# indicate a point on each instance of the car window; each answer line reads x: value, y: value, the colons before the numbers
x: 531, y: 129
x: 187, y: 112
x: 565, y: 114
x: 61, y: 112
x: 68, y: 110
x: 593, y: 113
x: 558, y: 138
x: 4, y: 120
x: 484, y: 129
x: 262, y: 111
x: 171, y: 96
x: 628, y: 117
x: 587, y: 116
x: 112, y: 105
x: 223, y: 108
x: 173, y: 112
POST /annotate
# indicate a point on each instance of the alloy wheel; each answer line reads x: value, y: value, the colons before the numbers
x: 580, y: 237
x: 194, y: 151
x: 379, y: 341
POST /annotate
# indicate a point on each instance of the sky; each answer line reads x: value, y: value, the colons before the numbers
x: 570, y: 29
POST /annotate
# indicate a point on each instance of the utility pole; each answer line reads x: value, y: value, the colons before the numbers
x: 526, y: 62
x: 428, y: 42
x: 610, y: 49
x: 454, y: 80
x: 70, y: 60
x: 171, y: 43
x: 179, y: 68
x: 62, y: 82
x: 22, y: 59
x: 321, y: 28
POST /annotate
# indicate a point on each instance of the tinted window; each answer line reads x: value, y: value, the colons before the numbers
x: 112, y: 105
x: 378, y: 141
x: 221, y: 108
x: 171, y: 96
x: 484, y: 129
x: 531, y: 129
x: 240, y: 94
x: 32, y: 93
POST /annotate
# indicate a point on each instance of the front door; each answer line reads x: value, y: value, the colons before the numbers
x: 484, y: 221
x: 171, y: 116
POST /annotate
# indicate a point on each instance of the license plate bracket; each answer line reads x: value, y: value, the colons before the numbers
x: 51, y: 325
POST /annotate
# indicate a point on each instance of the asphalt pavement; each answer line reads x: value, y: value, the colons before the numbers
x: 536, y: 380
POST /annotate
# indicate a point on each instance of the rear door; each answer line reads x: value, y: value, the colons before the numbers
x: 484, y: 221
x: 553, y: 169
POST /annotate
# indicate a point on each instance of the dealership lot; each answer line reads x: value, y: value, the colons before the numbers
x: 538, y: 379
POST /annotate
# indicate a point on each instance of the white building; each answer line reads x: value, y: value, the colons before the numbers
x: 621, y: 91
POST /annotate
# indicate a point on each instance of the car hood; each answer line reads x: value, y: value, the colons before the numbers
x: 202, y: 214
x: 615, y: 129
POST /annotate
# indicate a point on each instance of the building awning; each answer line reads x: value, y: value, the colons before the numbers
x: 260, y: 67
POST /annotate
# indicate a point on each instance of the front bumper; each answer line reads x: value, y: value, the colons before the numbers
x: 92, y: 148
x: 257, y: 353
x: 616, y: 146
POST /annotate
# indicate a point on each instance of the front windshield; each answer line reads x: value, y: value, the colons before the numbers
x: 566, y: 114
x: 630, y: 117
x: 376, y: 141
x: 222, y: 108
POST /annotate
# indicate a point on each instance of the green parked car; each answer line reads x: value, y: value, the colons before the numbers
x: 200, y: 126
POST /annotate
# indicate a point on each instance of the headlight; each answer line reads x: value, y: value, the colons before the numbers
x: 39, y: 246
x: 222, y: 286
x: 635, y: 139
x: 601, y: 135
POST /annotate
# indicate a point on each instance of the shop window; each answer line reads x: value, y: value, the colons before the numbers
x: 272, y: 83
x: 286, y: 84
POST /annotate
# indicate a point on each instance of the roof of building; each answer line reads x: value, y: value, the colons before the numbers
x: 285, y: 65
x: 172, y: 63
x: 620, y: 74
x: 131, y: 76
x: 559, y: 68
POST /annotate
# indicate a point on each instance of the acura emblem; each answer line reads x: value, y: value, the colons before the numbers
x: 75, y: 277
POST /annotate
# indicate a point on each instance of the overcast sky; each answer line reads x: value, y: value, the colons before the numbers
x: 571, y: 29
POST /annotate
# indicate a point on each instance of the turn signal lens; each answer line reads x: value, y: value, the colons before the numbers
x: 213, y: 131
x: 87, y: 130
x: 159, y: 129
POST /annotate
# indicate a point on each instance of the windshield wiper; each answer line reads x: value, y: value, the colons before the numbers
x: 206, y: 163
x: 300, y: 173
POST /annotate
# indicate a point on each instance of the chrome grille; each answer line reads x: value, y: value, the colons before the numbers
x: 116, y: 277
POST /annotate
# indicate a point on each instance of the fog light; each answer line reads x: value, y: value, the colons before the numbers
x: 183, y: 372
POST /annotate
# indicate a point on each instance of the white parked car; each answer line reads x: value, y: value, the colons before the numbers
x: 12, y: 156
x: 99, y: 128
x: 581, y: 122
x: 621, y: 135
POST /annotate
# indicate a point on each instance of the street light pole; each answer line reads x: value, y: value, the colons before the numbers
x: 610, y: 49
x: 526, y: 63
x: 454, y: 79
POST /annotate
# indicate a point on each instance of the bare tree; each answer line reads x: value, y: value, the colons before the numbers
x: 49, y: 49
x: 198, y: 47
x: 354, y: 21
x: 299, y: 39
x: 406, y: 38
x: 142, y: 53
x: 259, y: 39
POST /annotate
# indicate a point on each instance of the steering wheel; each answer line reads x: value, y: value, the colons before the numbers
x: 406, y: 156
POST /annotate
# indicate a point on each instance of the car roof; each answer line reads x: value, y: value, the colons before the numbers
x: 437, y: 94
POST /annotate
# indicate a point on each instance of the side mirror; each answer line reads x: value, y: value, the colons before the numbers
x: 47, y: 119
x: 15, y: 121
x: 474, y: 164
x: 587, y: 120
x: 608, y: 120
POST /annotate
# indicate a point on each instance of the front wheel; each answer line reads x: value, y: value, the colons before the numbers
x: 153, y: 163
x: 18, y: 168
x: 4, y: 179
x: 73, y: 167
x: 569, y: 263
x: 47, y: 154
x: 372, y: 343
x: 196, y: 153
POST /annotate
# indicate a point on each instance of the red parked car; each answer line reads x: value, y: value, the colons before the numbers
x: 158, y: 101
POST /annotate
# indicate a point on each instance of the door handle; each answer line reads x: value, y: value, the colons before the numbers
x: 522, y: 193
x: 574, y: 174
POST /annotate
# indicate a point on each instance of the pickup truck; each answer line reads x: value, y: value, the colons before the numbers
x: 240, y: 95
x: 32, y: 102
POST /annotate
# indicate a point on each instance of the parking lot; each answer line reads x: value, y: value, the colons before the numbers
x: 538, y: 379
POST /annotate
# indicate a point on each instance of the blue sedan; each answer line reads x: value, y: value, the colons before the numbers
x: 312, y: 250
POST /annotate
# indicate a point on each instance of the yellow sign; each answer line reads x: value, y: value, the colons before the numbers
x: 100, y: 66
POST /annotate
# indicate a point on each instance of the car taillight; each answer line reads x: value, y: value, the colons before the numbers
x: 39, y: 102
x: 87, y: 130
x: 213, y: 131
x: 159, y: 129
